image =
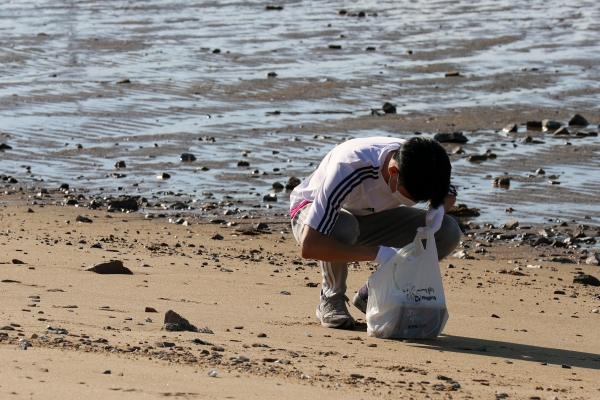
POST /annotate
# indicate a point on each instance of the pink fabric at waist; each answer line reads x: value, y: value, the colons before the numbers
x: 298, y: 208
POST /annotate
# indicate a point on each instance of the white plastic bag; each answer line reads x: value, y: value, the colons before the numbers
x: 406, y: 294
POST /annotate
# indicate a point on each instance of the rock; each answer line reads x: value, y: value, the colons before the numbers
x: 578, y: 120
x: 111, y: 267
x: 389, y: 108
x: 562, y: 260
x: 454, y: 137
x: 292, y: 183
x: 15, y: 261
x: 212, y: 373
x: 370, y: 48
x: 122, y: 81
x: 278, y: 186
x: 216, y: 51
x: 176, y: 323
x: 477, y: 158
x: 124, y: 203
x: 187, y: 157
x: 270, y: 197
x: 534, y: 124
x: 335, y: 46
x: 150, y: 309
x: 243, y: 164
x: 4, y: 146
x: 593, y: 259
x: 273, y: 8
x: 83, y: 219
x: 562, y: 131
x: 162, y: 175
x: 510, y: 224
x: 586, y: 280
x: 216, y: 236
x: 463, y: 254
x: 548, y: 125
x: 271, y: 74
x: 285, y: 292
x: 540, y: 171
x: 503, y: 181
x: 120, y: 164
x: 510, y: 128
x: 462, y: 210
x: 452, y: 73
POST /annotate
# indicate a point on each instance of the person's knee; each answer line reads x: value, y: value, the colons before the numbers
x: 449, y: 237
x: 346, y: 228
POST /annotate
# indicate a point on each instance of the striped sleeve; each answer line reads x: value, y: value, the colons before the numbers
x: 333, y: 192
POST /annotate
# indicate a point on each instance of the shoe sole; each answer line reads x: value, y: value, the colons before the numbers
x: 347, y: 324
x: 359, y: 303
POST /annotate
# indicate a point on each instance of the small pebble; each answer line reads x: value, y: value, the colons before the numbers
x: 212, y: 373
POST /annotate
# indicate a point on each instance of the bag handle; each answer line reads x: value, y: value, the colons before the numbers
x: 419, y: 249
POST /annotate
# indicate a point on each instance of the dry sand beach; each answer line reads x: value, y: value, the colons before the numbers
x: 100, y: 98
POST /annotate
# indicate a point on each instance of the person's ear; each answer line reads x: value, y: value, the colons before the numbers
x: 393, y: 170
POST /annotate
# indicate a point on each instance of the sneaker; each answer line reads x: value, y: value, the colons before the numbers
x: 334, y: 313
x: 359, y: 303
x: 360, y: 299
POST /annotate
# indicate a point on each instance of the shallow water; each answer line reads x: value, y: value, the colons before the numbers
x: 62, y: 61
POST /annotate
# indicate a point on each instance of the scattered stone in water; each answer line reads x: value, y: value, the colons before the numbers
x: 511, y: 128
x: 292, y: 183
x: 578, y: 120
x: 562, y: 131
x: 270, y: 197
x: 454, y: 137
x: 477, y: 158
x: 216, y: 51
x: 534, y: 124
x: 243, y: 164
x: 540, y: 171
x: 4, y: 146
x: 462, y: 210
x: 120, y: 164
x: 122, y: 81
x: 335, y: 46
x: 549, y: 125
x: 187, y: 157
x: 452, y: 73
x: 510, y: 224
x: 278, y: 186
x: 271, y: 74
x: 163, y: 175
x: 370, y: 48
x: 388, y: 108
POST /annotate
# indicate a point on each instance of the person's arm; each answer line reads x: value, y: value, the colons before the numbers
x: 316, y: 245
x: 449, y: 202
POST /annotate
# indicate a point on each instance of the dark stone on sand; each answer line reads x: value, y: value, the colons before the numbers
x: 111, y: 267
x: 70, y: 202
x: 578, y: 120
x: 495, y: 316
x: 150, y: 309
x: 187, y: 157
x: 510, y: 224
x: 120, y: 164
x: 243, y: 164
x: 216, y: 236
x: 122, y: 81
x: 510, y: 128
x: 549, y: 125
x: 562, y: 260
x: 388, y: 108
x: 273, y: 8
x: 15, y: 261
x: 292, y: 183
x: 454, y: 137
x: 176, y: 323
x: 562, y: 131
x: 534, y: 124
x: 4, y: 146
x: 64, y: 186
x: 162, y: 175
x: 261, y: 226
x: 124, y: 203
x: 81, y: 218
x: 586, y: 280
x: 541, y: 240
x: 335, y: 46
x: 452, y: 73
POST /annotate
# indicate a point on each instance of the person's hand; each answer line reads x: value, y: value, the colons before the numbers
x: 385, y: 254
x: 433, y: 221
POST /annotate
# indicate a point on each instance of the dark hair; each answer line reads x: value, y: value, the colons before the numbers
x: 424, y: 170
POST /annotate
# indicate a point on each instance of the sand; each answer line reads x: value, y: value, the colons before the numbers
x: 507, y: 334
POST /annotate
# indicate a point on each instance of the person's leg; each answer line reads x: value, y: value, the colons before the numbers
x: 398, y: 227
x: 332, y: 311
